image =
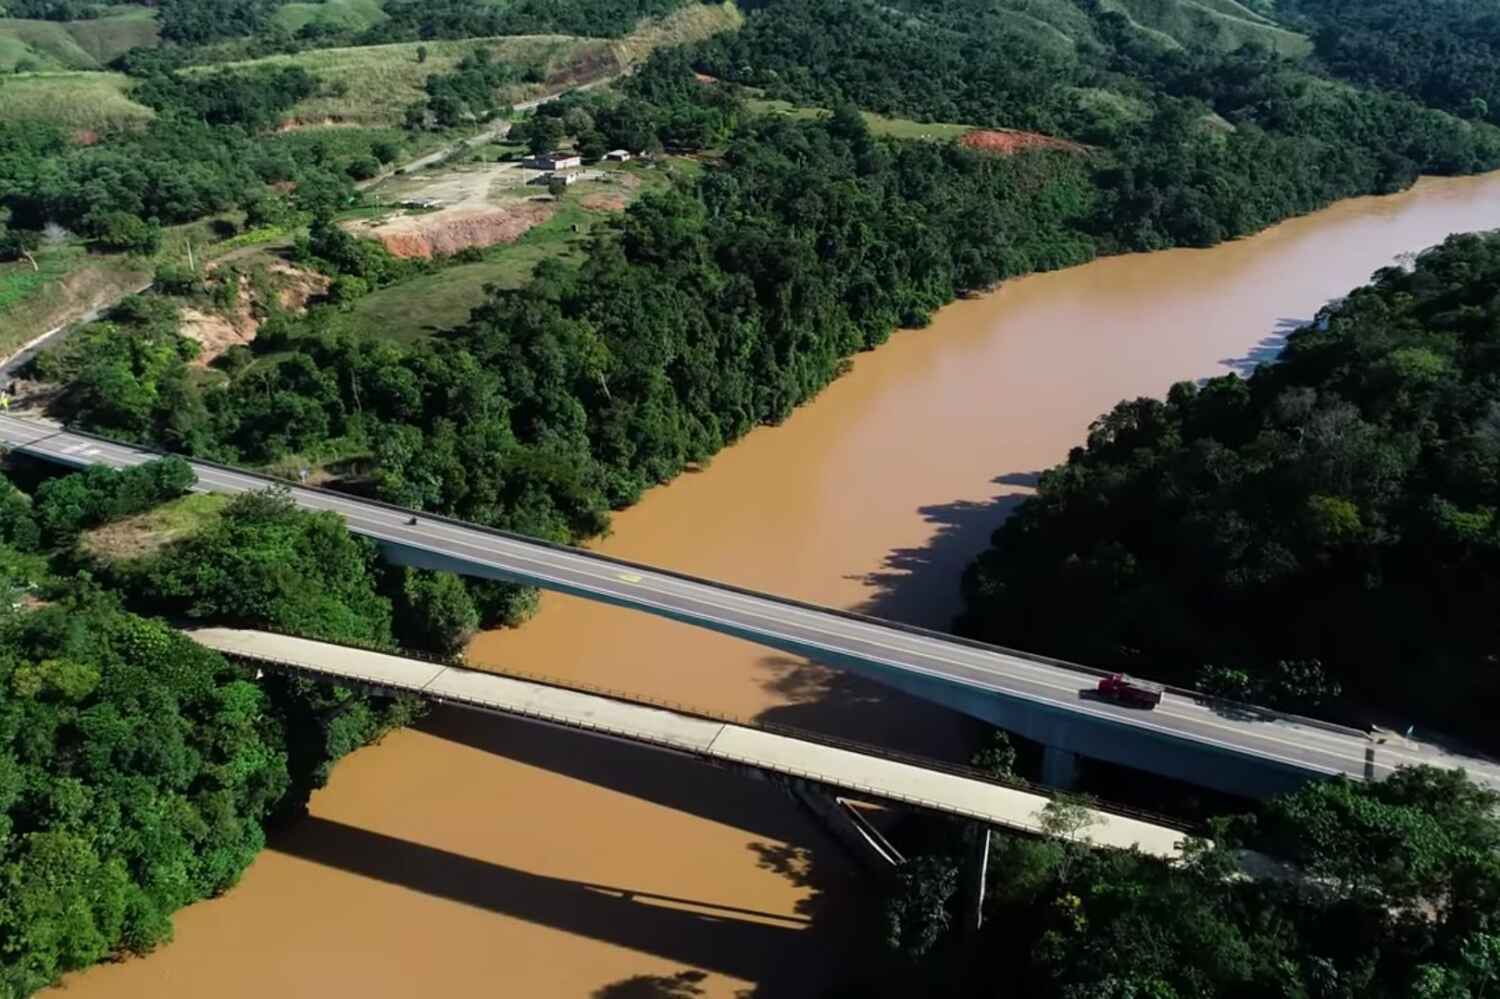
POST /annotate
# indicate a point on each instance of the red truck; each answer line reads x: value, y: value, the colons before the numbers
x: 1128, y: 690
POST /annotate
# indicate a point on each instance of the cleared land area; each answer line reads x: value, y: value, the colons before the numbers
x: 442, y: 300
x: 1220, y: 24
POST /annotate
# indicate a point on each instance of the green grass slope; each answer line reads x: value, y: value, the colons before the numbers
x: 1216, y: 24
x: 351, y: 15
x: 55, y: 45
x: 375, y: 84
x: 92, y: 101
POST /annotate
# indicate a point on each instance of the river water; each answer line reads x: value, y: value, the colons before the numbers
x: 474, y: 856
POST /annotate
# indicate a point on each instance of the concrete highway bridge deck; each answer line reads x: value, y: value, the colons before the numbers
x: 1212, y: 743
x: 867, y: 772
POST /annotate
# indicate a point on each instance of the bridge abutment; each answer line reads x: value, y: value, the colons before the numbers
x: 972, y: 876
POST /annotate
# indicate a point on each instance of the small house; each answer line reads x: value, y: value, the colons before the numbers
x: 553, y: 161
x: 618, y: 155
x: 546, y: 179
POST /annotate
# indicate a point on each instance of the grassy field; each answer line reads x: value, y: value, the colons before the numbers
x: 379, y: 82
x: 1219, y: 24
x: 692, y: 23
x: 1061, y: 25
x: 148, y: 532
x: 898, y: 128
x: 70, y: 282
x: 353, y: 15
x: 54, y: 45
x: 72, y: 100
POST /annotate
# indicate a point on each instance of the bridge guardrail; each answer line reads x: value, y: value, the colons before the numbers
x: 643, y: 700
x: 1238, y: 707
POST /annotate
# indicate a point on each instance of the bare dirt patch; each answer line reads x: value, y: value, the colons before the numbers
x: 603, y: 202
x: 216, y: 332
x: 1006, y: 142
x: 454, y: 229
x: 295, y: 287
x: 479, y: 207
x: 145, y: 533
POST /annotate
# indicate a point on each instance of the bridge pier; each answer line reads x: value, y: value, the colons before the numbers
x: 839, y: 819
x: 972, y: 877
x: 1059, y: 768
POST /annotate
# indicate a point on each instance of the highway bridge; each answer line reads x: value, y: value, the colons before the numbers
x: 1212, y: 743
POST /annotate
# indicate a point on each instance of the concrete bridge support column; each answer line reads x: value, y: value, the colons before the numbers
x: 1059, y: 768
x: 972, y: 876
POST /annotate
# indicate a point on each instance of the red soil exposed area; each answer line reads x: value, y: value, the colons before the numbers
x: 449, y: 231
x: 1007, y: 142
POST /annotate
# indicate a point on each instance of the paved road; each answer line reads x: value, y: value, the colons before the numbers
x: 866, y: 772
x: 820, y: 633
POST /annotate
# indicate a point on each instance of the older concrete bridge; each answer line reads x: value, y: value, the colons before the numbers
x: 800, y: 760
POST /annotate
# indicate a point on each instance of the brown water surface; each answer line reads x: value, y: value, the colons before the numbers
x: 482, y: 857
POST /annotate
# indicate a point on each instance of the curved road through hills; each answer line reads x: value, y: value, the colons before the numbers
x: 1232, y: 747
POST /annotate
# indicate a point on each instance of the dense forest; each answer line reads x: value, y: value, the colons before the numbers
x: 1445, y: 53
x: 709, y: 311
x: 1337, y: 506
x: 1395, y: 899
x: 137, y: 769
x: 1195, y: 145
x: 202, y: 154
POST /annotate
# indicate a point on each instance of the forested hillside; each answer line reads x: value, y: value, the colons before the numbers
x: 1396, y: 903
x: 137, y: 769
x: 730, y: 300
x: 1338, y: 506
x: 1320, y: 536
x: 1441, y: 52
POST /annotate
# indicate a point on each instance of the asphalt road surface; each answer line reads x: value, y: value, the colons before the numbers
x: 819, y: 633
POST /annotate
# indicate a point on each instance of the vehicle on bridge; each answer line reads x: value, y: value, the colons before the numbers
x: 1128, y: 690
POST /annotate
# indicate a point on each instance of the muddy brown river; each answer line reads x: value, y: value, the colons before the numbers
x: 480, y: 857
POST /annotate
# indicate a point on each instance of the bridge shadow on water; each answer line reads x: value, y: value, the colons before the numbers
x: 914, y: 585
x: 719, y: 938
x: 744, y: 942
x: 918, y: 585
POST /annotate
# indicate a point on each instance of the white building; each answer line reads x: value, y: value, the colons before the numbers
x: 553, y: 161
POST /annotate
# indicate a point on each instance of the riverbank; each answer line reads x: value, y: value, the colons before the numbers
x: 475, y: 855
